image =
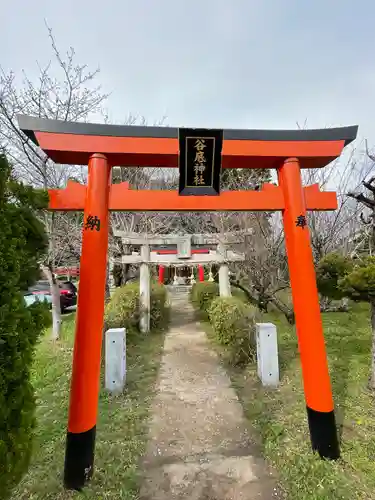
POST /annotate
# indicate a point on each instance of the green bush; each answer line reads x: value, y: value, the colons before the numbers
x: 159, y: 314
x: 123, y: 309
x: 22, y: 244
x: 202, y: 294
x: 233, y: 324
x: 359, y: 284
x: 330, y: 270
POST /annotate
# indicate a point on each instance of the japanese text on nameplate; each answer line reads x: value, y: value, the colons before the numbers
x: 199, y: 161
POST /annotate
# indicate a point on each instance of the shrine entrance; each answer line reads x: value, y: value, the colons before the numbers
x: 200, y: 154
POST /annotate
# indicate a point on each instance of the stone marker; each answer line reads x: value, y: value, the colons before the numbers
x: 115, y: 359
x: 267, y: 354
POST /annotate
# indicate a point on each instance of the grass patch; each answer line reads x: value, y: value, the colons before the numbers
x: 121, y: 428
x: 280, y: 415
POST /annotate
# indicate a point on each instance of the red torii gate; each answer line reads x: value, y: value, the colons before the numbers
x: 103, y: 146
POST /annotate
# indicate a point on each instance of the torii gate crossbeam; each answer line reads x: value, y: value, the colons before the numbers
x: 103, y: 146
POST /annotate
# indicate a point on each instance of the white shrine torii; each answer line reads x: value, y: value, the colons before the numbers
x: 183, y: 257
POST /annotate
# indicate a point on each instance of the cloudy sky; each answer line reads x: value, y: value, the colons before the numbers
x: 212, y: 63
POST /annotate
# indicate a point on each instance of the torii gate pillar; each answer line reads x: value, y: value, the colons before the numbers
x: 83, y: 409
x: 201, y: 272
x: 161, y: 274
x: 317, y: 386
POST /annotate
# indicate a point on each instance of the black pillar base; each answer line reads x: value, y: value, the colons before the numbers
x: 323, y: 433
x: 79, y: 459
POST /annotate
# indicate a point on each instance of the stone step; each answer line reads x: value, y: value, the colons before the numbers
x: 174, y: 289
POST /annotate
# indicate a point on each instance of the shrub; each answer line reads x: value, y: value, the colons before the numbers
x: 159, y: 314
x: 202, y: 294
x: 359, y: 284
x: 330, y: 270
x: 22, y: 244
x: 233, y: 323
x: 123, y: 310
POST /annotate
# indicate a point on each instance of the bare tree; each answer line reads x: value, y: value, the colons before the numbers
x: 332, y: 231
x: 263, y: 275
x: 65, y: 90
x: 146, y: 223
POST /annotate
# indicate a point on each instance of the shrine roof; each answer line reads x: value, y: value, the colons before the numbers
x: 132, y: 145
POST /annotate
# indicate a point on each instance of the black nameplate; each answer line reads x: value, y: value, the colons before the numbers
x: 200, y: 161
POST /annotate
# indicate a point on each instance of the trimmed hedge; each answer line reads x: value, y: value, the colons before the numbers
x: 123, y: 309
x: 233, y: 324
x: 202, y: 294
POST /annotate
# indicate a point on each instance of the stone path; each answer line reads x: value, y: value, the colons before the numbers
x: 199, y: 445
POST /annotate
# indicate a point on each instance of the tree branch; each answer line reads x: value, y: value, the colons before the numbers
x: 360, y: 197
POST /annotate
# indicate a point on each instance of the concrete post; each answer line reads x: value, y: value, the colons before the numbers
x: 115, y: 359
x: 111, y: 280
x: 224, y: 283
x: 144, y: 289
x: 175, y: 277
x: 267, y: 354
x: 192, y: 277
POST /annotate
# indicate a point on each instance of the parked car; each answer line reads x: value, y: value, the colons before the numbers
x: 68, y: 292
x: 31, y: 298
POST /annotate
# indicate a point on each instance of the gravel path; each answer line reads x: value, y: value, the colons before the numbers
x: 199, y: 445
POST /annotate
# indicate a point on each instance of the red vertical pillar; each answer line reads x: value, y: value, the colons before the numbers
x: 201, y: 272
x: 316, y: 381
x: 84, y: 393
x: 161, y: 274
